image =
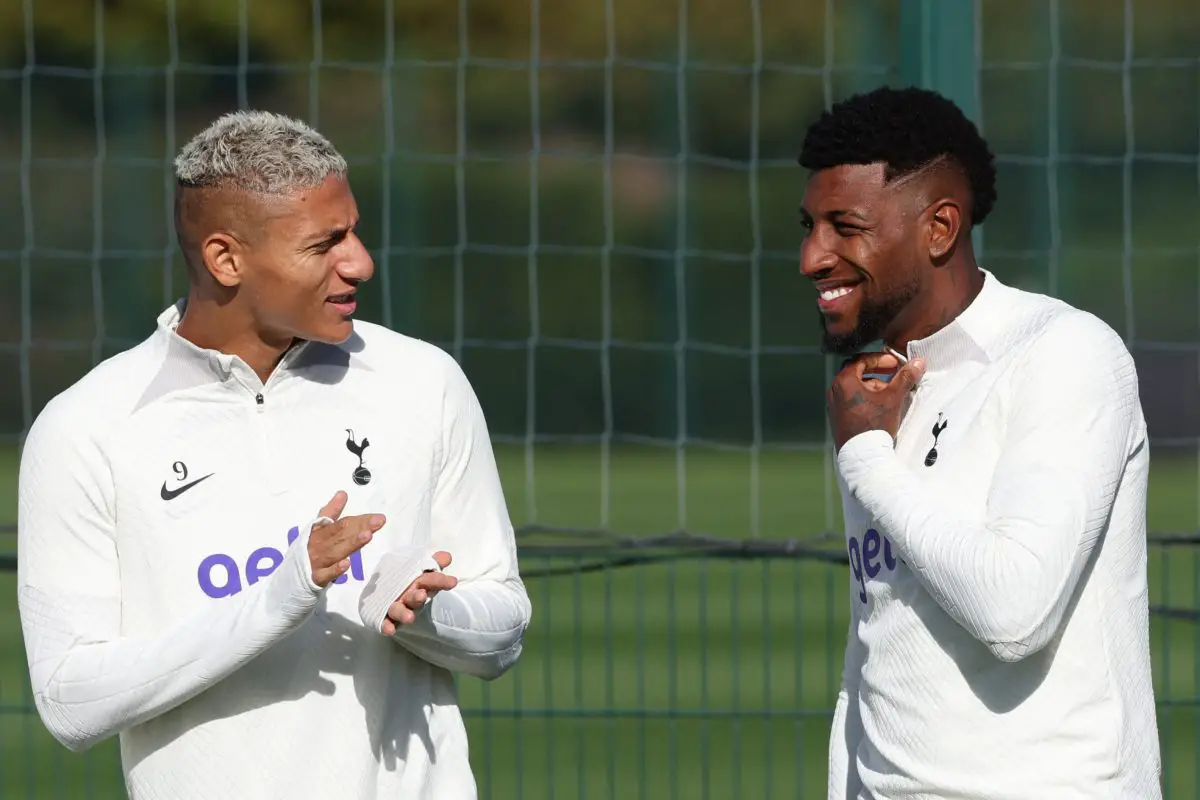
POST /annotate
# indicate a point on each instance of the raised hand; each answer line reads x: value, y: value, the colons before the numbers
x: 330, y: 545
x: 858, y: 404
x: 419, y: 592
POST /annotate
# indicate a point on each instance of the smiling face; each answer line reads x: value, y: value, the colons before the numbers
x: 862, y: 252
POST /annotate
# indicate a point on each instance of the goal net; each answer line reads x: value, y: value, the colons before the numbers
x: 593, y: 206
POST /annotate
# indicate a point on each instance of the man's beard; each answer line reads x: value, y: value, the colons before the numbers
x: 873, y: 319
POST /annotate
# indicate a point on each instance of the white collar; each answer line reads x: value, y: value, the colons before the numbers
x: 224, y: 365
x: 974, y: 333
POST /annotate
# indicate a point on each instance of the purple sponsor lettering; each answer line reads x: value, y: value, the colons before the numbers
x: 220, y: 575
x: 864, y: 559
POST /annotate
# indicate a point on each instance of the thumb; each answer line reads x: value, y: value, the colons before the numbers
x: 442, y: 558
x: 334, y: 508
x: 906, y: 377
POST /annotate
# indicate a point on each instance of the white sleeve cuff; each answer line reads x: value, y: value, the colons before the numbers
x: 293, y: 589
x: 395, y: 573
x: 863, y: 452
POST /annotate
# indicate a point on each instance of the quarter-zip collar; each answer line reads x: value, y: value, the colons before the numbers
x: 225, y: 366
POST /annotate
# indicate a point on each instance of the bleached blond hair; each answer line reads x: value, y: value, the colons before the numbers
x: 258, y: 151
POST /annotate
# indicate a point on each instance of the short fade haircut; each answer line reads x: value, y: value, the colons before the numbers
x: 257, y: 151
x: 907, y: 130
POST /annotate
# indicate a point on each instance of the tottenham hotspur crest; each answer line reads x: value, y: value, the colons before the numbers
x: 361, y: 475
x: 932, y: 456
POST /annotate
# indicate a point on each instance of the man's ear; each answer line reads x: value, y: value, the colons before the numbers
x: 943, y: 227
x: 223, y: 257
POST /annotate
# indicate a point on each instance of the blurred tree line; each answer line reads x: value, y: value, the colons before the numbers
x: 641, y: 196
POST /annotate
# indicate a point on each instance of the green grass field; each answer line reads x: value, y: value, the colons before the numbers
x: 691, y: 679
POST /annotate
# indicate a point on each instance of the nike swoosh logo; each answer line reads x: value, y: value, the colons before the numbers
x: 171, y: 494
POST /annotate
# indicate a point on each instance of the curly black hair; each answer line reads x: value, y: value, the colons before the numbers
x: 906, y: 129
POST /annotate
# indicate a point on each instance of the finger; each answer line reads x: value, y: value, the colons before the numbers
x: 908, y: 376
x: 388, y: 628
x: 365, y: 523
x: 856, y: 374
x: 442, y: 558
x: 330, y: 548
x: 400, y: 614
x: 414, y: 599
x: 334, y: 508
x: 436, y: 582
x: 430, y: 584
x: 325, y: 575
x: 352, y: 533
x: 336, y: 556
x: 874, y: 362
x: 871, y: 370
x: 871, y: 359
x: 425, y: 587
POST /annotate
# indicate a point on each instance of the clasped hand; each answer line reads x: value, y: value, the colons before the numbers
x: 419, y: 592
x: 858, y: 403
x: 331, y: 544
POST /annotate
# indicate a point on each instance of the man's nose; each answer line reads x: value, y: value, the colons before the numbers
x: 358, y: 266
x: 815, y: 260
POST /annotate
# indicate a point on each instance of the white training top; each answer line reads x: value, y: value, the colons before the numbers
x: 999, y: 643
x: 165, y: 589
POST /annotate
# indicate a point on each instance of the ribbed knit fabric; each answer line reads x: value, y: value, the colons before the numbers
x: 999, y: 643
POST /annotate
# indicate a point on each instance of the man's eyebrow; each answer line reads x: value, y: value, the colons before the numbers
x: 836, y: 212
x: 331, y: 234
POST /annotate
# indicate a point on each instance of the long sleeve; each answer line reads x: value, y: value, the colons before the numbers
x: 477, y: 628
x: 846, y: 731
x: 89, y: 681
x: 1006, y: 573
